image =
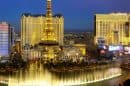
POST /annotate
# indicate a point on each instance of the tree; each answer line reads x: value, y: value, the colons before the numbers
x: 92, y: 50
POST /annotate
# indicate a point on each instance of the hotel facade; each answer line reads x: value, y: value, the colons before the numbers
x: 6, y: 39
x: 47, y: 29
x: 33, y: 26
x: 112, y: 29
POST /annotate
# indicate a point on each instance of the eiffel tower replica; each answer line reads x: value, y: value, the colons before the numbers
x: 49, y: 35
x: 49, y: 44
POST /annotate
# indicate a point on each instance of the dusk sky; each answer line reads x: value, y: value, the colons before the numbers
x: 78, y: 14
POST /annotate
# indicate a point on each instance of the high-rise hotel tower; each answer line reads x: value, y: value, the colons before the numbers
x: 6, y: 39
x: 112, y: 29
x: 38, y: 28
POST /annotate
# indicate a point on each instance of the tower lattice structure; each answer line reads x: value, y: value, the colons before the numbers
x: 49, y: 36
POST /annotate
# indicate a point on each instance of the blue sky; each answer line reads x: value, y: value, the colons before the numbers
x: 78, y: 14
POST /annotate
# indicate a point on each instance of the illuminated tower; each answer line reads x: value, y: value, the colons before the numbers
x: 49, y: 43
x: 46, y: 29
x: 49, y: 35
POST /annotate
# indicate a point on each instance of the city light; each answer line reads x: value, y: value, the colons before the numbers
x: 44, y: 48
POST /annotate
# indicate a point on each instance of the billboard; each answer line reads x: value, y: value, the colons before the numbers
x: 115, y: 48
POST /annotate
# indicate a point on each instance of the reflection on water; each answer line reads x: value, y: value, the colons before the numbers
x: 37, y: 75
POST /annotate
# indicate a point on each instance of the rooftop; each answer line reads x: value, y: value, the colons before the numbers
x: 38, y: 15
